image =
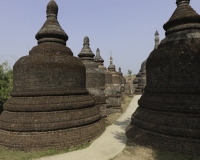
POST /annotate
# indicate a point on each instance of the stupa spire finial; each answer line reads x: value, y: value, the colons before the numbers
x: 111, y: 59
x: 52, y: 9
x: 98, y: 57
x: 120, y: 69
x: 156, y: 40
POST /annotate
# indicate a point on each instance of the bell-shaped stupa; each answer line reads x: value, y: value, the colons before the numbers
x: 168, y: 116
x: 50, y: 106
x: 141, y: 79
x: 95, y: 77
x: 122, y: 79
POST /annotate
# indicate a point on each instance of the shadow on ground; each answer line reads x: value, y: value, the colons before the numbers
x: 148, y: 153
x: 123, y: 125
x: 167, y: 155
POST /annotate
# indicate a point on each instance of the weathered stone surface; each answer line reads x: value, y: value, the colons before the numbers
x: 168, y: 116
x: 95, y: 77
x: 113, y: 93
x: 49, y: 105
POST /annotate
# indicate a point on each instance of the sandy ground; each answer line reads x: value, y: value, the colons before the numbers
x: 135, y: 152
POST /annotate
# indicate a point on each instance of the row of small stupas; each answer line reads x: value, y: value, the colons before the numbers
x: 139, y: 82
x: 58, y: 100
x: 168, y: 116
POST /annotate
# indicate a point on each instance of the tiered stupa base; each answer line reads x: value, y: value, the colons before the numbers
x: 167, y: 127
x: 58, y: 139
x: 49, y: 122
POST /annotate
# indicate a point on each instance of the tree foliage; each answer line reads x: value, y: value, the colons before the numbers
x: 6, y: 83
x: 129, y: 72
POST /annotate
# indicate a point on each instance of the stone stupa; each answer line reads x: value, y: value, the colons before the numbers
x: 168, y: 116
x: 114, y: 91
x: 141, y: 79
x: 108, y: 76
x: 122, y: 79
x: 99, y: 60
x: 123, y: 82
x: 50, y: 106
x: 95, y: 77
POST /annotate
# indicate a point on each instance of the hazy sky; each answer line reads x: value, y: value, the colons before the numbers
x: 126, y: 27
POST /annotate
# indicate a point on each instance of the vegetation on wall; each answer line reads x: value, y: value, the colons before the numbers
x: 6, y: 83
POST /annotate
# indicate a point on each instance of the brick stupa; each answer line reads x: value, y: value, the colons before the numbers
x: 168, y: 116
x: 141, y: 80
x: 123, y: 82
x: 95, y: 77
x: 50, y: 106
x: 114, y: 90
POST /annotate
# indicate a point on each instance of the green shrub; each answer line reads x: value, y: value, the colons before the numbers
x: 6, y: 83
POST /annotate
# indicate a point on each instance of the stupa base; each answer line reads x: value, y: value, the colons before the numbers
x: 58, y: 139
x: 163, y: 142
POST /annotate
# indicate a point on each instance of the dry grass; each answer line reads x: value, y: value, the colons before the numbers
x: 7, y: 154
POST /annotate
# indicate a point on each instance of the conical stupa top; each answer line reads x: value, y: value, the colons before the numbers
x: 156, y: 40
x: 120, y: 71
x: 183, y: 18
x: 111, y: 59
x: 51, y: 31
x: 156, y: 33
x: 111, y: 66
x: 98, y: 57
x: 86, y: 52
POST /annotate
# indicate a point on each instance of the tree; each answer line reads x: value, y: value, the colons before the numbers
x: 6, y: 83
x: 129, y: 73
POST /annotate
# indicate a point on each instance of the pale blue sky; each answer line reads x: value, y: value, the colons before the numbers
x: 126, y: 27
